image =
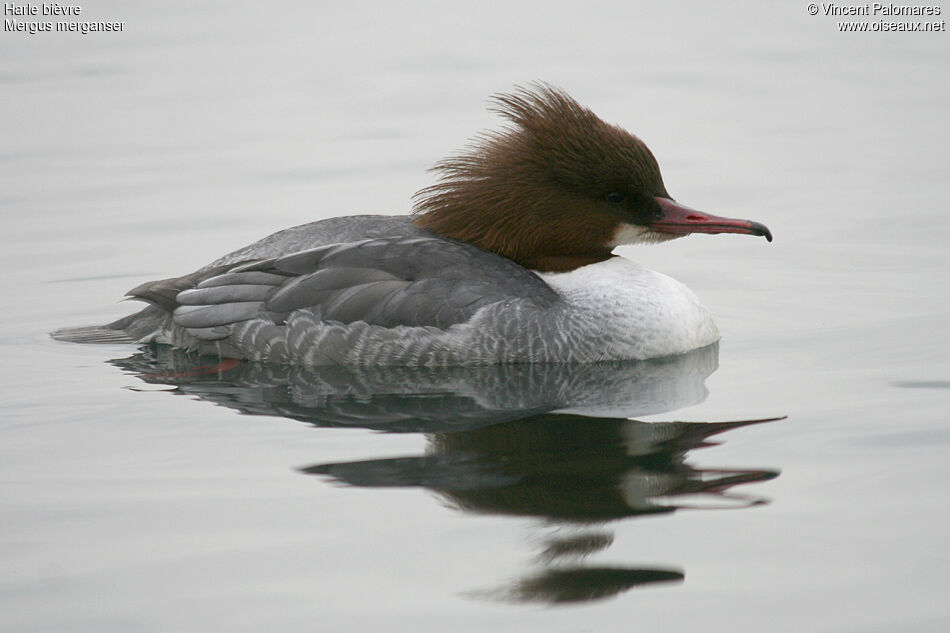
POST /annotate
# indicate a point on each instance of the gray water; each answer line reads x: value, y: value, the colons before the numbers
x: 140, y: 493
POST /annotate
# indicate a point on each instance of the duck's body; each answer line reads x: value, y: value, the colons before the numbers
x: 508, y: 259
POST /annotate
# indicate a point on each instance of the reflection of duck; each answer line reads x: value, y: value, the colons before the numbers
x: 414, y: 399
x: 508, y: 259
x: 563, y: 585
x: 518, y: 440
x: 563, y: 467
x: 566, y: 469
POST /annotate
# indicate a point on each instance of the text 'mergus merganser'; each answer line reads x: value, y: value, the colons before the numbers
x: 507, y: 258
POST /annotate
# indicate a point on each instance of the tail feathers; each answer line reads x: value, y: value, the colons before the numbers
x: 92, y: 334
x: 141, y: 327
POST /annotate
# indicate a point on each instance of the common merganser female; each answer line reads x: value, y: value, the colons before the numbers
x: 507, y: 258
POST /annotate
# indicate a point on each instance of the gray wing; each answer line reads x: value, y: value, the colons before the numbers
x: 415, y: 281
x: 351, y: 228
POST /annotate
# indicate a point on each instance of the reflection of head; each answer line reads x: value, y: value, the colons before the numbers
x: 560, y: 467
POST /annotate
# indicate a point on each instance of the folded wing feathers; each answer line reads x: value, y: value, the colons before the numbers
x: 361, y: 303
x: 318, y: 287
x: 305, y: 261
x: 225, y: 294
x: 385, y: 282
x: 209, y: 316
x: 238, y: 278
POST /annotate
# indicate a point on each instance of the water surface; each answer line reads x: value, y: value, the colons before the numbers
x: 151, y: 491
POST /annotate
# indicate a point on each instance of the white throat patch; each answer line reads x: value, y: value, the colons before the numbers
x: 627, y: 234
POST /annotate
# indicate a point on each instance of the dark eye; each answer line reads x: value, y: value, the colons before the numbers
x: 615, y: 197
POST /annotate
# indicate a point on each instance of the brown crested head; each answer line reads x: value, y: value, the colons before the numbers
x: 557, y: 189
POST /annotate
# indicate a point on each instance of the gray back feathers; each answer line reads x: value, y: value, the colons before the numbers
x: 375, y: 289
x: 408, y: 281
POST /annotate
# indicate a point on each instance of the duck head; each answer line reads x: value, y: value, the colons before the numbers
x: 558, y: 189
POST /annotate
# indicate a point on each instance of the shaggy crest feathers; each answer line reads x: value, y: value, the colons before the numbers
x: 535, y: 190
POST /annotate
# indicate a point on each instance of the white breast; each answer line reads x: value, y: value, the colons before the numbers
x: 643, y: 313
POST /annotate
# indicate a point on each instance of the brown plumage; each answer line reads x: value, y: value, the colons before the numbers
x: 550, y: 191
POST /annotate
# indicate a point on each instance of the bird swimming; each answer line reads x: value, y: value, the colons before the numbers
x: 507, y: 258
